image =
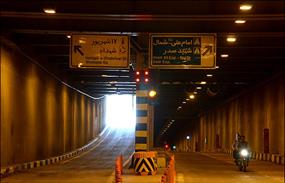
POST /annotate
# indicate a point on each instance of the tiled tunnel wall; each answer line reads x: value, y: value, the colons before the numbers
x: 40, y: 116
x: 249, y: 114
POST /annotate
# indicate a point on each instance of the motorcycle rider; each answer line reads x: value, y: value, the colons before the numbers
x: 242, y: 143
x: 235, y: 148
x: 239, y: 144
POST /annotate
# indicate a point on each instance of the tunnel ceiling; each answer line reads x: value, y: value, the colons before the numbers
x: 257, y: 55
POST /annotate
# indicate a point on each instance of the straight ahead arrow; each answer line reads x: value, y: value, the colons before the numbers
x: 208, y: 49
x: 77, y: 48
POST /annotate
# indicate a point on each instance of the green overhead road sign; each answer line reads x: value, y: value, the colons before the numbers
x: 99, y: 51
x: 182, y: 51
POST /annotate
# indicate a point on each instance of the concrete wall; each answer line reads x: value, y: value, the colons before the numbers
x: 40, y: 116
x: 249, y: 114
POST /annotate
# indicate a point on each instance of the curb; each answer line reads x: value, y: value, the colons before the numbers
x: 7, y: 171
x: 274, y: 158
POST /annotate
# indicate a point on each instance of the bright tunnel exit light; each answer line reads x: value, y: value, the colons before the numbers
x: 121, y: 111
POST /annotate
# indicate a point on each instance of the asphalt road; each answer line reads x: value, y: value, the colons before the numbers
x: 219, y: 168
x: 95, y: 166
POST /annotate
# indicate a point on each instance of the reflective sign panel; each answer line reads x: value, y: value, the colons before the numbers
x: 182, y: 51
x: 99, y: 51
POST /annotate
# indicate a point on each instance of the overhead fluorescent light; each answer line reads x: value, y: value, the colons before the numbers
x: 224, y: 55
x: 198, y: 87
x: 203, y: 82
x: 183, y: 102
x: 240, y: 21
x: 209, y: 75
x: 49, y: 11
x: 245, y: 7
x: 231, y: 39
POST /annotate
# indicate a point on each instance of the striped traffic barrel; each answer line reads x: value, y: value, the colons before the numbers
x: 145, y: 163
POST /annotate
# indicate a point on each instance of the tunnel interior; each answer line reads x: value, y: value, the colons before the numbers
x: 49, y: 108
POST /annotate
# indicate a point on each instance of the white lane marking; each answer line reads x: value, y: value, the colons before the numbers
x: 180, y: 178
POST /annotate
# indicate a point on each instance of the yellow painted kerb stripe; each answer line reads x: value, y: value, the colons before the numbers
x: 141, y: 133
x: 142, y: 106
x: 141, y: 93
x: 141, y: 119
x: 141, y: 146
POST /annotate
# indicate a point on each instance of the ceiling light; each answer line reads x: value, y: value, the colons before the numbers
x: 198, y: 87
x: 187, y: 137
x: 224, y: 55
x: 209, y: 75
x: 172, y: 120
x: 245, y: 7
x: 240, y: 21
x: 195, y: 92
x: 49, y: 11
x: 187, y: 99
x: 203, y: 82
x: 231, y: 39
x: 68, y: 36
x: 217, y: 67
x: 183, y: 102
x: 191, y: 96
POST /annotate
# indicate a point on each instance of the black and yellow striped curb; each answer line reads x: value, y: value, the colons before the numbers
x: 274, y: 158
x: 6, y: 171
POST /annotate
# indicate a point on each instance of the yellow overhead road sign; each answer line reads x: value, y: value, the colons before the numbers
x: 99, y: 51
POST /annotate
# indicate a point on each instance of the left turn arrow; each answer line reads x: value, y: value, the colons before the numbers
x: 77, y: 48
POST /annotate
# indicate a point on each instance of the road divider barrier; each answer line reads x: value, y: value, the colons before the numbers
x: 145, y: 163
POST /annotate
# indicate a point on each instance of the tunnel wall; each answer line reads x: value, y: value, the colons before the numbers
x: 248, y: 114
x: 41, y: 117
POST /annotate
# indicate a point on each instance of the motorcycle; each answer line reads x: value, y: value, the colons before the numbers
x: 242, y: 161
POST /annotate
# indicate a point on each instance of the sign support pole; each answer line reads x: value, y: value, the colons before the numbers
x: 142, y: 111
